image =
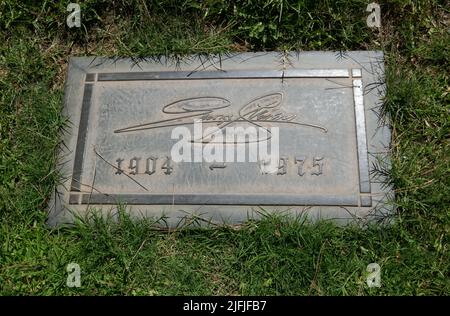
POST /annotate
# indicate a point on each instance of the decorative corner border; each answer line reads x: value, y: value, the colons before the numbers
x: 354, y: 74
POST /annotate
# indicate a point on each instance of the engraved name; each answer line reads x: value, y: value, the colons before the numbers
x: 213, y: 110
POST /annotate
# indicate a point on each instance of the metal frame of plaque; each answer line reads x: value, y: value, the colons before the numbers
x: 103, y: 143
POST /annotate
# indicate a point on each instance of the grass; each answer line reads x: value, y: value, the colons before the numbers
x: 274, y: 256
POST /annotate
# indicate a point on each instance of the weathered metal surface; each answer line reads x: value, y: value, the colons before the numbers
x: 326, y: 106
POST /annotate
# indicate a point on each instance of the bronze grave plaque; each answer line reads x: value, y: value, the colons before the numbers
x: 224, y: 138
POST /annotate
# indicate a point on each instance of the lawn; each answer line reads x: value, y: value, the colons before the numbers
x: 274, y: 256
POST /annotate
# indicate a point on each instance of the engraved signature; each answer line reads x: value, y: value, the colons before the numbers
x: 210, y: 110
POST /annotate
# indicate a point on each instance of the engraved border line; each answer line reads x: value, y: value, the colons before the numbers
x: 218, y: 199
x: 227, y: 198
x: 363, y: 160
x: 82, y: 133
x: 232, y: 74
